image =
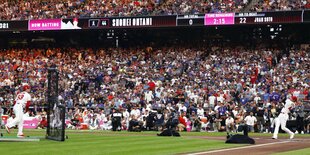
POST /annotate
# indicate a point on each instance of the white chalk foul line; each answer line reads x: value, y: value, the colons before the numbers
x: 237, y: 148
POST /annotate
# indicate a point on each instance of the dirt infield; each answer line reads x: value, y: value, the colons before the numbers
x: 263, y: 146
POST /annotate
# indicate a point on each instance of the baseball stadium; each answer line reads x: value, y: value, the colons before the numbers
x: 155, y: 77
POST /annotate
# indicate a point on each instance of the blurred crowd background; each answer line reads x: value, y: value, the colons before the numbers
x: 46, y: 9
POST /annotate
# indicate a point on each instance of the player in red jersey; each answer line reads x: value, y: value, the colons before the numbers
x: 22, y: 101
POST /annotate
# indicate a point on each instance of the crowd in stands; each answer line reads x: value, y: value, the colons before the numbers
x: 24, y: 10
x: 280, y: 5
x: 200, y: 6
x: 33, y: 9
x: 216, y: 90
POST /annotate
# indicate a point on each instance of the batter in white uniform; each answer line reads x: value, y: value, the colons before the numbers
x: 22, y: 101
x: 283, y: 117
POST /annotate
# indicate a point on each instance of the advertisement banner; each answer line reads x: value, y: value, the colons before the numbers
x: 30, y: 123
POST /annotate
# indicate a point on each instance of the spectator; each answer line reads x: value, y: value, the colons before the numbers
x: 185, y: 78
x: 1, y: 113
x: 250, y: 121
x: 94, y: 123
x: 43, y: 123
x: 107, y: 124
x: 182, y: 123
x: 230, y: 123
x: 10, y: 119
x: 285, y: 5
x: 200, y: 111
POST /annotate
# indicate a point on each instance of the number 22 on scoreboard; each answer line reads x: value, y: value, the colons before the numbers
x: 242, y: 20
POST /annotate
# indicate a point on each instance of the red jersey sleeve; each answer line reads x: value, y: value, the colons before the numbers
x: 27, y: 105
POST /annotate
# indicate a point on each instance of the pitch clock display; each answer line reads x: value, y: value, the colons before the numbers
x: 220, y: 19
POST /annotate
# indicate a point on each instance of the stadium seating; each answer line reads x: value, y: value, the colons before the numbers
x: 283, y: 5
x: 78, y: 8
x: 24, y: 10
x: 252, y: 74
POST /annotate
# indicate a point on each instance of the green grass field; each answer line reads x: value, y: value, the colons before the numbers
x: 116, y: 143
x: 299, y: 152
x: 107, y: 142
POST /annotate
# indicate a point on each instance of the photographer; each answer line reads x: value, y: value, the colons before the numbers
x: 75, y: 122
x: 1, y: 113
x: 196, y: 122
x: 134, y: 124
x: 116, y: 120
x: 173, y: 121
x: 260, y: 117
x: 307, y: 122
x: 43, y: 123
x: 150, y: 121
x: 300, y: 118
x: 211, y: 116
x: 170, y: 126
x: 159, y: 120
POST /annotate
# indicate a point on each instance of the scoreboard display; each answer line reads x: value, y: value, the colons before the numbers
x: 220, y: 19
x: 191, y: 20
x: 209, y: 19
x: 98, y: 23
x: 21, y: 25
x: 217, y: 19
x: 306, y: 16
x: 268, y: 17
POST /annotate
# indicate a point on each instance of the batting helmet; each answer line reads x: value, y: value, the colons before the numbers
x: 25, y: 87
x: 294, y: 98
